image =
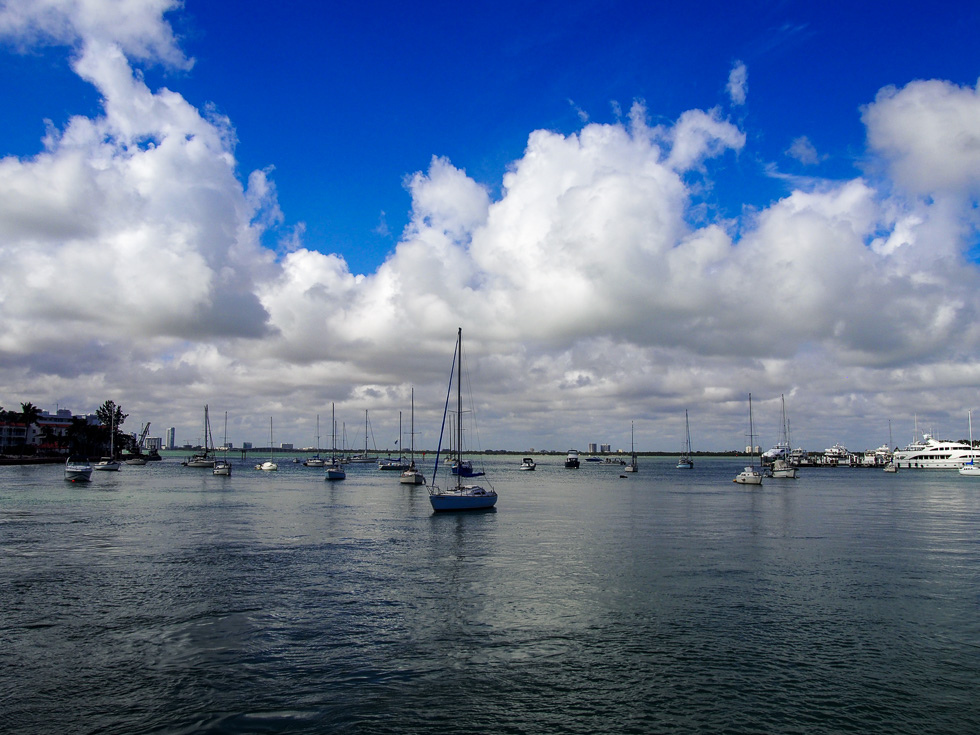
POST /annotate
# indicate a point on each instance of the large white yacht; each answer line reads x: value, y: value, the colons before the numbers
x: 932, y: 454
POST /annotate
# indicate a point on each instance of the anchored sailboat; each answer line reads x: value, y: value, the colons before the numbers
x: 460, y: 497
x: 685, y: 462
x: 750, y: 475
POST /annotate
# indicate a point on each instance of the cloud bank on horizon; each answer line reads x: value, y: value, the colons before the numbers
x: 595, y: 288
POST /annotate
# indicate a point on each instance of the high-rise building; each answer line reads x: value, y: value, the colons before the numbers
x: 592, y: 447
x: 171, y: 435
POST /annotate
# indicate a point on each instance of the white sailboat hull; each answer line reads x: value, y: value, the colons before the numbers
x: 466, y: 497
x: 748, y: 476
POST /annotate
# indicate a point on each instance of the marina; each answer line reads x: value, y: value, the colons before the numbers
x: 159, y: 599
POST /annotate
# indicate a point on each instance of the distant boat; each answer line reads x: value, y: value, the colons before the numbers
x: 110, y: 463
x: 410, y: 476
x: 528, y: 464
x: 364, y: 458
x: 571, y: 460
x: 400, y: 463
x: 335, y: 470
x: 206, y: 459
x: 781, y: 449
x: 316, y: 460
x: 685, y: 462
x: 270, y: 464
x: 460, y: 497
x: 78, y: 469
x: 750, y: 475
x: 632, y: 466
x: 970, y: 469
x: 781, y: 469
x: 222, y: 467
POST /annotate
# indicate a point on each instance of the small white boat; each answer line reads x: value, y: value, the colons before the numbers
x: 110, y: 464
x: 571, y: 461
x: 459, y: 497
x: 107, y: 464
x: 78, y: 469
x: 412, y: 476
x: 528, y: 464
x: 222, y: 466
x: 750, y: 475
x: 970, y: 469
x: 269, y: 465
x: 781, y: 469
x: 136, y: 461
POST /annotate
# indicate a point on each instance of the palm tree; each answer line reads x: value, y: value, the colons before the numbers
x: 29, y: 414
x: 110, y: 418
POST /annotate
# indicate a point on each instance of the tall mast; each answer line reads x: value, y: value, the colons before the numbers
x: 459, y: 411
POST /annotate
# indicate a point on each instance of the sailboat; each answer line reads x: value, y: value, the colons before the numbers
x: 460, y: 496
x: 750, y: 475
x: 970, y: 468
x: 412, y: 476
x: 335, y: 470
x: 110, y: 463
x: 781, y: 468
x: 892, y: 465
x: 685, y: 462
x: 398, y: 464
x: 364, y: 458
x: 632, y: 466
x: 223, y: 466
x: 269, y: 465
x: 316, y: 460
x: 207, y: 458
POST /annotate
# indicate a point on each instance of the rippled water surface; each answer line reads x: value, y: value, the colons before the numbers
x: 164, y: 599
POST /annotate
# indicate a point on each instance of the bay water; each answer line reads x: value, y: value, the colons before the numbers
x: 162, y: 599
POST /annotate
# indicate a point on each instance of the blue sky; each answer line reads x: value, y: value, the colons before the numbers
x: 383, y: 135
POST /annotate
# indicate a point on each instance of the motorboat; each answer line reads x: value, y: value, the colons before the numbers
x: 78, y: 469
x: 222, y: 467
x: 528, y: 464
x: 458, y: 497
x: 933, y: 454
x: 571, y: 461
